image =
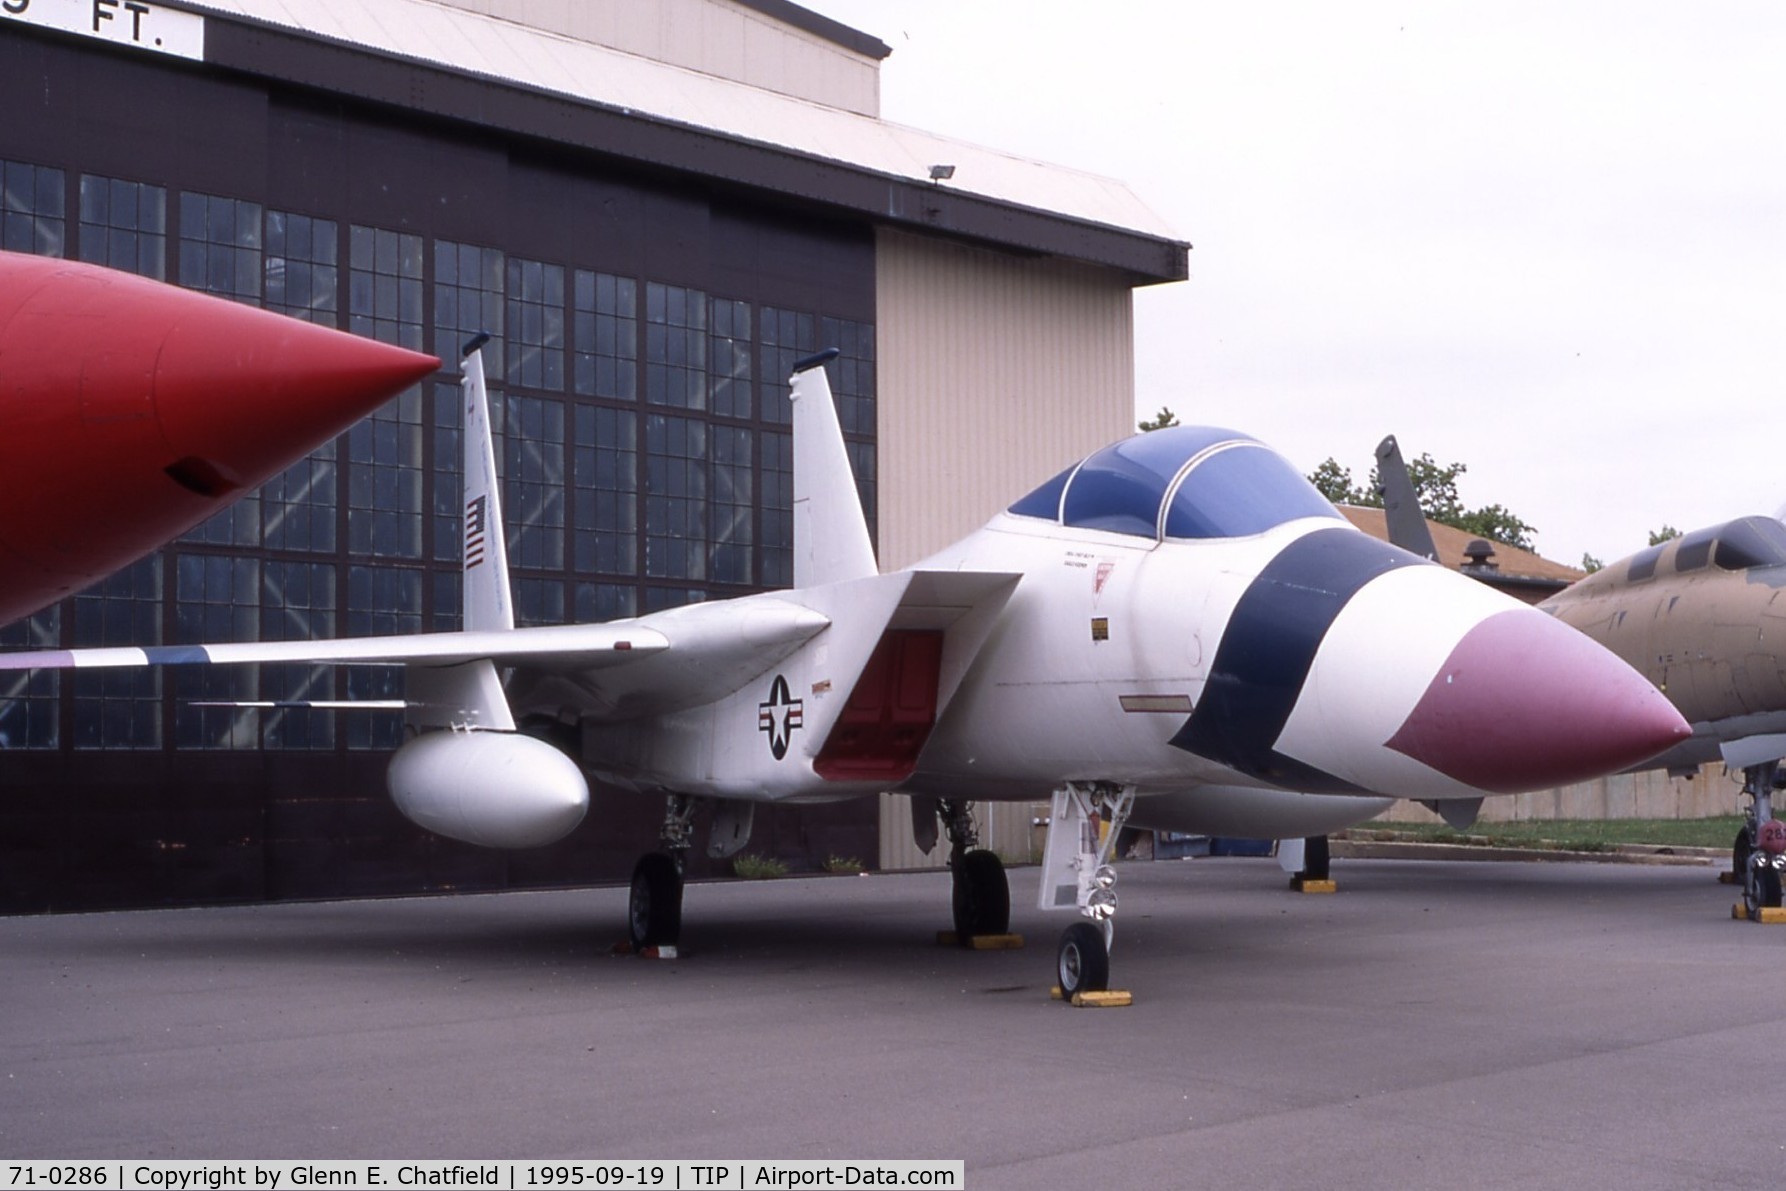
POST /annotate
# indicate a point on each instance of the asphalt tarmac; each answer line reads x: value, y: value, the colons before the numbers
x: 1431, y: 1024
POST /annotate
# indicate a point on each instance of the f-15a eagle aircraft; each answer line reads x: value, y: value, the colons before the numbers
x: 1177, y: 630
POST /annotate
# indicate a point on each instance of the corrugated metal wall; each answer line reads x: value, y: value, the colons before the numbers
x: 993, y: 373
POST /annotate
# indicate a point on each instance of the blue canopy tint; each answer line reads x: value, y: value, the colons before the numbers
x: 1212, y: 483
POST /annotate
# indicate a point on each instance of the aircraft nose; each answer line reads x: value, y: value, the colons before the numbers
x: 1524, y: 702
x: 236, y: 387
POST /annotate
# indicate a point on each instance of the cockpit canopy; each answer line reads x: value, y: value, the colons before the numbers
x: 1182, y: 482
x: 1734, y: 546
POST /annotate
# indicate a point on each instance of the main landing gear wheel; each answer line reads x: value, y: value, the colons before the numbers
x: 1739, y: 854
x: 1083, y: 961
x: 1764, y: 893
x: 1316, y: 859
x: 654, y: 910
x: 982, y: 896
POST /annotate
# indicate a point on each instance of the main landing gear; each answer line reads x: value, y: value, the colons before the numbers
x: 980, y: 894
x: 654, y: 907
x: 1076, y: 874
x: 1758, y: 858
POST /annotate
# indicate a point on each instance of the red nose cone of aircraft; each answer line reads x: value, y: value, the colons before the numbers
x: 237, y: 388
x: 134, y: 410
x: 1525, y: 702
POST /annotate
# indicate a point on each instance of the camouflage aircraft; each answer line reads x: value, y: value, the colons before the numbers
x: 1700, y: 616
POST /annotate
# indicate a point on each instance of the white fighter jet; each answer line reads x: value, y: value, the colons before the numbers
x: 1176, y: 631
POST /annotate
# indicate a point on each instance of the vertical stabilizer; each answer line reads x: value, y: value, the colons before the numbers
x: 1401, y: 504
x: 831, y: 543
x: 488, y: 603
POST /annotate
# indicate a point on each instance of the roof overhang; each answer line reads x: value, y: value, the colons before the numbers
x: 655, y: 143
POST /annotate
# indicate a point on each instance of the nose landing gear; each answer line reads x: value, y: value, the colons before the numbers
x: 1076, y: 874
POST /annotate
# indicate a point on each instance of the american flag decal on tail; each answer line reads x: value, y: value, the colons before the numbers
x: 474, y: 530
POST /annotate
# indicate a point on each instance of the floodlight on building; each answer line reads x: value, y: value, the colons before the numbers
x: 941, y: 173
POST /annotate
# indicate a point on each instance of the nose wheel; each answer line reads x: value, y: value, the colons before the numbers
x: 1083, y: 827
x: 1083, y: 961
x: 1759, y: 855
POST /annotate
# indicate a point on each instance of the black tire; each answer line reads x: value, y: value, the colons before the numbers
x: 654, y: 909
x: 1739, y: 854
x: 1768, y: 882
x: 1316, y: 858
x: 1083, y: 961
x: 982, y: 896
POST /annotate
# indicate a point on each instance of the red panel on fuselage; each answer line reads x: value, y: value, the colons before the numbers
x: 890, y: 713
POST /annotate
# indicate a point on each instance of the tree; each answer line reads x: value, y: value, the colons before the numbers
x: 1589, y: 563
x: 1435, y: 487
x: 1335, y: 483
x: 1665, y: 534
x: 1164, y: 420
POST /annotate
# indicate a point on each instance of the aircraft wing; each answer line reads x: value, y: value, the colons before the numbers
x: 664, y: 660
x: 580, y: 647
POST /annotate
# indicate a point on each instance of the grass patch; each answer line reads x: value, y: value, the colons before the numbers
x: 843, y: 864
x: 758, y: 868
x: 1578, y: 835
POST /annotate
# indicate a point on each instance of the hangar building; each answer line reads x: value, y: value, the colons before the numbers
x: 654, y: 206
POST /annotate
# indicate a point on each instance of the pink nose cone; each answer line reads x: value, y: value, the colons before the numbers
x: 1525, y: 702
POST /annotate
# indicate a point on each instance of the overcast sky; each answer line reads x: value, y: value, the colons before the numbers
x: 1545, y: 240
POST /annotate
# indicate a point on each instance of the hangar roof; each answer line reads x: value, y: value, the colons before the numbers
x: 841, y: 158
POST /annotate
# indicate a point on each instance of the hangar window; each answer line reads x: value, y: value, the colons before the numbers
x: 605, y: 339
x: 384, y: 286
x: 220, y: 246
x: 384, y: 480
x: 1751, y: 542
x: 776, y: 448
x: 33, y: 209
x: 28, y: 698
x: 468, y: 300
x: 675, y: 498
x: 539, y: 601
x: 303, y: 267
x: 786, y: 337
x: 596, y: 602
x: 535, y: 325
x: 381, y: 601
x: 728, y: 359
x: 119, y: 709
x: 124, y: 225
x: 297, y: 604
x: 217, y: 599
x: 605, y: 488
x: 530, y: 447
x: 298, y: 505
x: 733, y: 510
x: 675, y: 346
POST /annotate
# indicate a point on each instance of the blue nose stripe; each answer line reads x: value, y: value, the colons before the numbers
x: 1267, y: 649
